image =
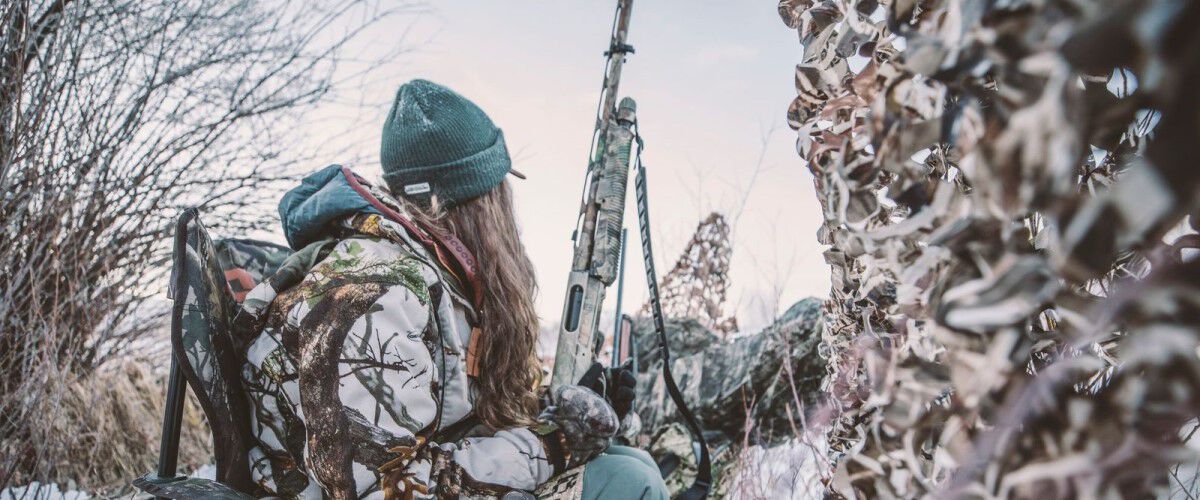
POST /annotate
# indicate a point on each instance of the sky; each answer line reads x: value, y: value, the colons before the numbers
x: 713, y: 79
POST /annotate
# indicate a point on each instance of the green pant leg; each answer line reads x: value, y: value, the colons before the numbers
x: 621, y: 473
x: 630, y: 451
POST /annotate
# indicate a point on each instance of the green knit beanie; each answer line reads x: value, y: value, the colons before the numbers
x: 436, y: 142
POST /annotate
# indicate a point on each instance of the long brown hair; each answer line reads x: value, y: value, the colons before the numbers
x: 510, y: 368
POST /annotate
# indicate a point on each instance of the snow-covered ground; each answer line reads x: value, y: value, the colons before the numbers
x: 790, y: 470
x: 39, y: 491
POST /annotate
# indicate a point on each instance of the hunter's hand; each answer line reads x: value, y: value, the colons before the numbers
x: 617, y: 385
x: 587, y: 422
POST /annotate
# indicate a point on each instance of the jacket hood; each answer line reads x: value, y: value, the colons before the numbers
x: 322, y: 200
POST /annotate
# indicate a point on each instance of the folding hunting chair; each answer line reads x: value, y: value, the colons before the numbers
x: 207, y: 281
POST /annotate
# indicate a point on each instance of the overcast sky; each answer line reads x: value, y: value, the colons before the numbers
x: 713, y: 80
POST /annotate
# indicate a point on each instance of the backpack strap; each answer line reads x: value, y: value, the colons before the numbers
x: 450, y: 252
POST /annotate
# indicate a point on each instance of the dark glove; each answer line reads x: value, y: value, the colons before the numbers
x: 617, y: 385
x: 586, y: 422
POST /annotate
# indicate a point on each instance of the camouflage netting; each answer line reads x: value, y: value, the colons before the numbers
x: 1006, y: 189
x: 696, y: 286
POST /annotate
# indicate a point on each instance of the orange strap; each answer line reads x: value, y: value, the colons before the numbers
x: 473, y: 352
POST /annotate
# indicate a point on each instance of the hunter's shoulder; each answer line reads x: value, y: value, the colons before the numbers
x: 357, y: 269
x: 366, y: 258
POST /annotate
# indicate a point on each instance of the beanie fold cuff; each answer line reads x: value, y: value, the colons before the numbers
x: 456, y: 181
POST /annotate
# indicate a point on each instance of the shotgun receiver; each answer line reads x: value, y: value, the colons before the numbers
x: 597, y: 236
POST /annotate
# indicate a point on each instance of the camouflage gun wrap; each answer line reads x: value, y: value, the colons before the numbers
x: 597, y: 237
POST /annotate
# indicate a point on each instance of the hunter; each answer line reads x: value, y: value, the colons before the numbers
x: 399, y: 361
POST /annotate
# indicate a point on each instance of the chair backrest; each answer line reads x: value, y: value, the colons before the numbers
x: 214, y: 276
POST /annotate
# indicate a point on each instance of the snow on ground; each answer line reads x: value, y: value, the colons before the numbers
x: 208, y: 471
x: 39, y: 491
x: 790, y: 470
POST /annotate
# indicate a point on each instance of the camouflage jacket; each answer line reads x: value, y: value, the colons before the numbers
x: 357, y: 383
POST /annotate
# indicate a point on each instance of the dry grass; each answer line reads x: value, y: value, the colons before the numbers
x: 103, y: 430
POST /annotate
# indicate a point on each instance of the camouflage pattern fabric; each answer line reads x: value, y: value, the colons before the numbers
x: 188, y: 488
x: 208, y: 353
x: 565, y: 486
x: 358, y: 368
x: 673, y: 448
x: 720, y: 379
x: 247, y: 263
x: 724, y: 382
x: 586, y: 420
x: 208, y: 350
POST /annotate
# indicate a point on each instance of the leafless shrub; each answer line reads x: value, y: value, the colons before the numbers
x: 114, y: 114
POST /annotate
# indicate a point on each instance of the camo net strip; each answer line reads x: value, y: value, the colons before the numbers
x: 1009, y: 197
x: 697, y: 285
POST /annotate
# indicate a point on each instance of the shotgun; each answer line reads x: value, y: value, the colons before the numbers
x: 598, y: 248
x: 597, y: 236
